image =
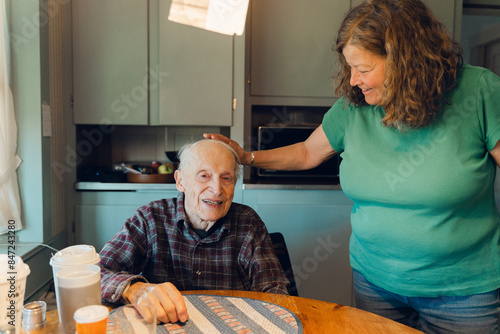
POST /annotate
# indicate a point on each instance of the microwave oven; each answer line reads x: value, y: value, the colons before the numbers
x: 270, y: 137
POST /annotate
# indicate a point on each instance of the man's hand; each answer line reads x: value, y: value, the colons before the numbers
x: 163, y: 299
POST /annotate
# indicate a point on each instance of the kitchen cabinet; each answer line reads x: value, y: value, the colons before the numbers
x: 134, y: 67
x: 290, y: 45
x: 449, y: 12
x: 97, y: 224
x: 197, y: 74
x: 316, y: 227
x: 110, y: 61
x: 290, y: 42
x: 99, y: 215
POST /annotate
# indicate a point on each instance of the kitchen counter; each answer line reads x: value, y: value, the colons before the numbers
x: 285, y: 183
x: 277, y: 184
x: 124, y: 186
x: 261, y: 184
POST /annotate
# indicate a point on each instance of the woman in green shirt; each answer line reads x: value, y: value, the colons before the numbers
x: 419, y: 135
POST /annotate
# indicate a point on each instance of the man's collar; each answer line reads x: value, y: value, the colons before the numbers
x: 182, y: 220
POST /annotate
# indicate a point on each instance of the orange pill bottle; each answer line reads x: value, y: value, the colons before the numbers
x: 91, y: 319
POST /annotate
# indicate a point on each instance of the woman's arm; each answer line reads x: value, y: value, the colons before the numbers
x: 303, y: 155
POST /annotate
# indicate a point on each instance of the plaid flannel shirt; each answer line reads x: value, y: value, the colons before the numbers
x: 156, y: 245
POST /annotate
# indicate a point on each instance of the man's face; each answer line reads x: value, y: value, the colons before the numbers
x: 208, y: 182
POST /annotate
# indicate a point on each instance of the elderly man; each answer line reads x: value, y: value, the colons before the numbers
x: 199, y: 240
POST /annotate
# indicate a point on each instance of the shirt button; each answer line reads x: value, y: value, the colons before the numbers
x: 113, y: 296
x: 198, y: 272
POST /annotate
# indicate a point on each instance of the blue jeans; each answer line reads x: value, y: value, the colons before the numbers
x: 477, y: 314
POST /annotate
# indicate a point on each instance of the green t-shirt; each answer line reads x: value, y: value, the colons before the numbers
x: 424, y: 219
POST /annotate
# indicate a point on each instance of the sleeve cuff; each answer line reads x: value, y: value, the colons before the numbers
x: 122, y: 286
x: 124, y: 299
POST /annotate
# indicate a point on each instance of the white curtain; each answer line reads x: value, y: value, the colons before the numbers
x: 10, y: 207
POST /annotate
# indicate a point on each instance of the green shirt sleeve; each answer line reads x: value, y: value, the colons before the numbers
x: 488, y: 97
x: 335, y: 124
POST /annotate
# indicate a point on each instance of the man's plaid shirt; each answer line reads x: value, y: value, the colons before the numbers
x: 157, y: 245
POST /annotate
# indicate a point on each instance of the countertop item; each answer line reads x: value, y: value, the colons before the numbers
x: 34, y: 315
x: 150, y: 178
x: 100, y: 174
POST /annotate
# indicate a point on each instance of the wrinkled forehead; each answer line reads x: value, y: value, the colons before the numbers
x: 212, y: 156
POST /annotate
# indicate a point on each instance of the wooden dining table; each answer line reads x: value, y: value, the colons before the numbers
x: 316, y: 316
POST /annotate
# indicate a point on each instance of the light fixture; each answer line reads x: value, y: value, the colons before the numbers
x: 222, y: 16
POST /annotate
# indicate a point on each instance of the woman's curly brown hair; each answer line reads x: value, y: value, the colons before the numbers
x: 422, y: 61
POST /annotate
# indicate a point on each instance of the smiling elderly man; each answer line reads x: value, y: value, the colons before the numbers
x: 199, y: 240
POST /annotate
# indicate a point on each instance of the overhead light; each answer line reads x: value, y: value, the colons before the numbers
x: 221, y: 16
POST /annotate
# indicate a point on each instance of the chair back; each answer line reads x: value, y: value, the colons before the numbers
x: 282, y: 254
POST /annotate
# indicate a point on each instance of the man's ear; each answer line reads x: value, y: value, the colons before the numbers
x: 178, y: 180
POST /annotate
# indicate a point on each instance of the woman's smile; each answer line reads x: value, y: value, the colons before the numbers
x: 367, y: 72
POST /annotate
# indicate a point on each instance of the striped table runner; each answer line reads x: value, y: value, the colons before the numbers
x: 219, y: 314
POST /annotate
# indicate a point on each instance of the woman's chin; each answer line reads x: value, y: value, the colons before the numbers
x: 372, y: 99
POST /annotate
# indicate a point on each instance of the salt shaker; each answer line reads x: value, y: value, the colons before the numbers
x: 34, y: 315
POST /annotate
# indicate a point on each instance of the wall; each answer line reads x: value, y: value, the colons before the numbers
x: 26, y: 89
x: 29, y: 83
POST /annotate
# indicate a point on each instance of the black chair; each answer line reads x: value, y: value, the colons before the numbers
x: 282, y: 255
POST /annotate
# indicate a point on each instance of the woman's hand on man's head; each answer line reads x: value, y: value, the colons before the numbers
x: 245, y: 157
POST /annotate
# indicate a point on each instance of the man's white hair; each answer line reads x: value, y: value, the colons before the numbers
x: 185, y: 155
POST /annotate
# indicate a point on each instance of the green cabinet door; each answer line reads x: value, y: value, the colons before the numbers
x: 196, y: 69
x: 448, y: 11
x: 316, y: 226
x: 99, y: 215
x: 110, y: 61
x: 291, y: 47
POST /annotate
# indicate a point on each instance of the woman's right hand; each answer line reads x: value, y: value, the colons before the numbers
x: 245, y: 157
